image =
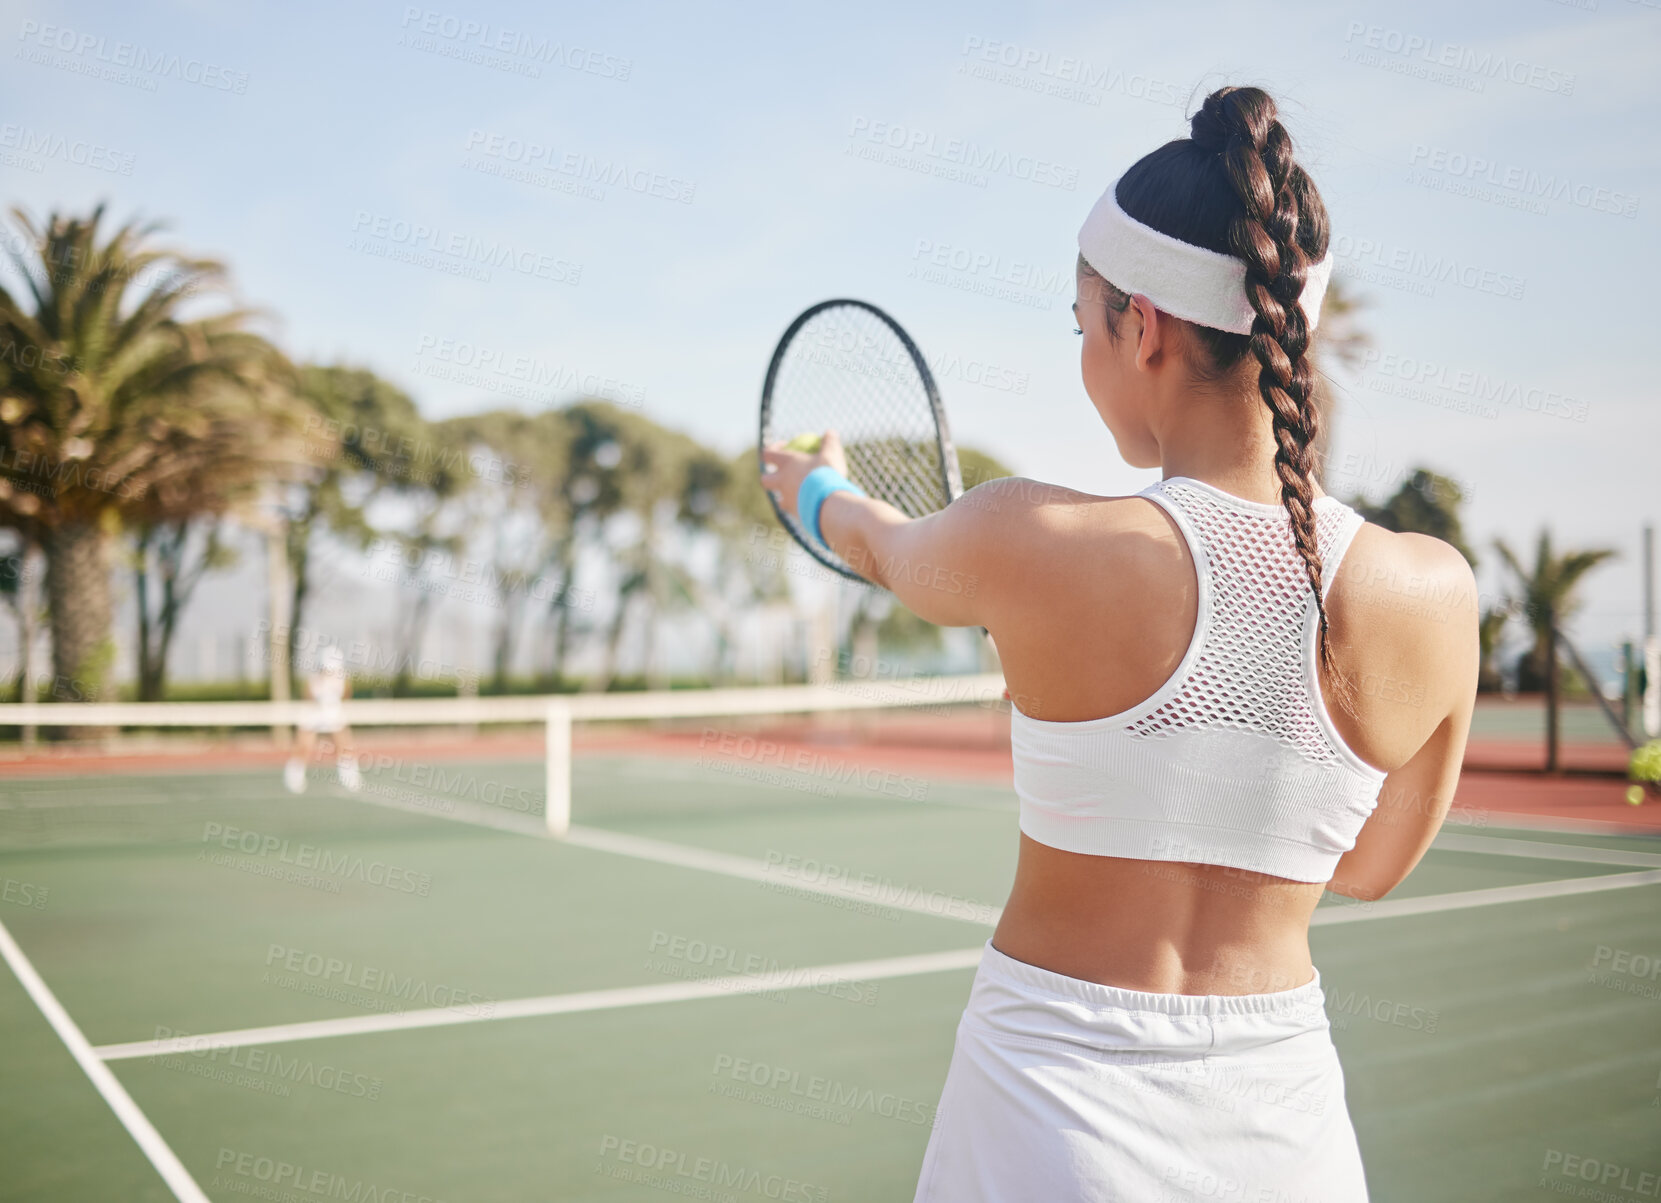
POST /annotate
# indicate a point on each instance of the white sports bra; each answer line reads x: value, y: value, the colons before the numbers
x: 1234, y: 761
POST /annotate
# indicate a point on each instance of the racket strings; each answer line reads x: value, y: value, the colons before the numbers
x: 847, y: 370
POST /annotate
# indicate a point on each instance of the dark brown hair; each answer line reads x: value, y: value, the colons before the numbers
x: 1232, y: 186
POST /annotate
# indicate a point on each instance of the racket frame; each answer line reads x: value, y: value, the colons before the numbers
x: 942, y: 430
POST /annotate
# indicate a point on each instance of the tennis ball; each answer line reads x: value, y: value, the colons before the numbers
x: 1634, y: 794
x: 1646, y: 762
x: 803, y: 442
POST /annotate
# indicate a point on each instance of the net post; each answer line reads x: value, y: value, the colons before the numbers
x: 1652, y: 686
x: 557, y: 809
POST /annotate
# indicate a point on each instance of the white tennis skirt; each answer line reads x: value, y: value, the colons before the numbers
x: 1066, y: 1091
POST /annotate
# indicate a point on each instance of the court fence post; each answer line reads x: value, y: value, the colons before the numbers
x: 557, y: 809
x: 1551, y: 694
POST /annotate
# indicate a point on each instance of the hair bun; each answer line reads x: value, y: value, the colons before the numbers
x: 1206, y: 131
x: 1230, y: 113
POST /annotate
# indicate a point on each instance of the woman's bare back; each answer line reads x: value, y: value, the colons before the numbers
x: 1104, y: 614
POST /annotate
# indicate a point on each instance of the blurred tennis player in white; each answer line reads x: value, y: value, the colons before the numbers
x: 1146, y: 1022
x: 328, y: 687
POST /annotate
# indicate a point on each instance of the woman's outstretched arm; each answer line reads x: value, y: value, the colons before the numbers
x: 944, y: 568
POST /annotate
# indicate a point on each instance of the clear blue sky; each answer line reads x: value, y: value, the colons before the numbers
x: 1491, y: 169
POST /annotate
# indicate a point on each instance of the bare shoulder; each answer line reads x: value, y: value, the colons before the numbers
x: 1405, y: 575
x: 1094, y: 598
x: 1053, y: 542
x: 1406, y: 607
x: 1024, y: 513
x: 1019, y: 499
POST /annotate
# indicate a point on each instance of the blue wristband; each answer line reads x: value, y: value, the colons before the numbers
x: 816, y: 486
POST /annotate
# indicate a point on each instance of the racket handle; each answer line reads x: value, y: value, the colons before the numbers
x: 816, y: 486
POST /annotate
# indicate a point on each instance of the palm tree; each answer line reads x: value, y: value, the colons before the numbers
x: 115, y: 408
x: 1489, y: 629
x: 1547, y: 601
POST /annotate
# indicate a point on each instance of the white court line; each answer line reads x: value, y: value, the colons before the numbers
x: 138, y: 1126
x: 922, y: 902
x: 742, y: 867
x: 559, y: 1004
x: 1540, y: 850
x: 794, y: 979
x: 940, y: 906
x: 1501, y: 820
x: 1432, y: 904
x: 472, y: 814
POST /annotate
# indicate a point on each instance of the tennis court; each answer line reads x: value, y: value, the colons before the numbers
x: 737, y: 977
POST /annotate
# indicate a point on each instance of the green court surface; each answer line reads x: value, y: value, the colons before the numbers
x: 1485, y: 1047
x: 1579, y: 722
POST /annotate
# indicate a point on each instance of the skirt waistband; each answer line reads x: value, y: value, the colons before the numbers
x: 1300, y: 1000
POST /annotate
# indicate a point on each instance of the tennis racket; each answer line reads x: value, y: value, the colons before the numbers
x: 847, y: 366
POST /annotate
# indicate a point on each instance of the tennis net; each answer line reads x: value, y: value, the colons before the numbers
x: 157, y: 772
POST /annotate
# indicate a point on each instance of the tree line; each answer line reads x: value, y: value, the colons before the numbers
x: 144, y: 420
x: 136, y: 437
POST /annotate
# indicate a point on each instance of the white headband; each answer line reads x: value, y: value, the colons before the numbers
x: 1184, y: 280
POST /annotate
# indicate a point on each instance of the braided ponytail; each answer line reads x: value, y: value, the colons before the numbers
x: 1233, y: 187
x: 1269, y: 235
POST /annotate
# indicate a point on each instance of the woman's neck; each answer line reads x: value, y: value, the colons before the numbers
x: 1230, y: 445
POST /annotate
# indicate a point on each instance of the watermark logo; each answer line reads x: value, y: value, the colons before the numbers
x: 1062, y: 76
x: 1625, y: 971
x: 1433, y: 60
x: 129, y: 64
x: 370, y: 987
x: 698, y: 1176
x: 27, y: 149
x: 808, y: 876
x: 1380, y: 1010
x: 244, y: 1173
x: 987, y: 274
x: 23, y: 893
x: 1567, y: 1173
x: 402, y: 456
x: 454, y: 252
x: 810, y: 1095
x: 698, y: 959
x: 262, y: 1070
x: 575, y: 173
x: 304, y: 863
x: 774, y: 762
x: 1420, y: 272
x: 523, y: 377
x: 962, y: 160
x: 361, y: 656
x: 498, y: 48
x: 1511, y: 185
x: 1463, y: 389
